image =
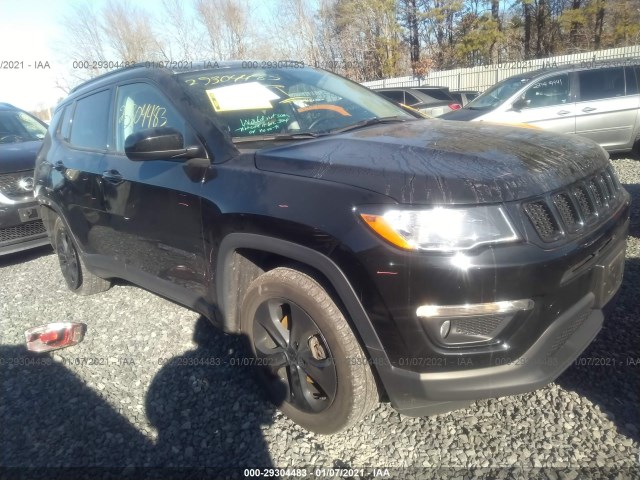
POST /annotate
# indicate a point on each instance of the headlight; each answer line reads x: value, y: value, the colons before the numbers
x: 444, y: 229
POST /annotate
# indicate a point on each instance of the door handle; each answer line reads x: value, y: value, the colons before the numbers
x: 564, y: 112
x: 588, y: 109
x: 58, y: 165
x: 112, y: 176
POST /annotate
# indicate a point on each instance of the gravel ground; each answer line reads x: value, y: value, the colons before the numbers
x: 111, y: 401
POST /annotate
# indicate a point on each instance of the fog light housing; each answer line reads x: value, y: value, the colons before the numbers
x: 459, y: 325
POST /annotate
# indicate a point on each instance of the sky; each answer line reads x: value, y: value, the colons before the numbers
x: 27, y: 28
x: 31, y: 33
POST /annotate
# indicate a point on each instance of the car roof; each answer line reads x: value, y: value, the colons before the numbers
x: 158, y: 69
x: 571, y: 67
x: 7, y: 106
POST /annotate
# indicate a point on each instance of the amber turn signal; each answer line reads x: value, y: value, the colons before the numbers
x: 379, y: 225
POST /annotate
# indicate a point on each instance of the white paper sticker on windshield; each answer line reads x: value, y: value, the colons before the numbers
x: 244, y: 96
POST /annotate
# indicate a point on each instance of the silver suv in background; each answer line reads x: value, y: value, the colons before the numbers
x: 597, y: 101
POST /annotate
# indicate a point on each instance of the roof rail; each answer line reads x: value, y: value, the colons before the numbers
x: 108, y: 74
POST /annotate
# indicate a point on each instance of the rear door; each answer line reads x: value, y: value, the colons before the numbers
x: 77, y: 168
x: 154, y: 207
x: 605, y: 113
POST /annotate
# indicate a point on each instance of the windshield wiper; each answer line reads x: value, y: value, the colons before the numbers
x: 368, y: 122
x: 279, y: 136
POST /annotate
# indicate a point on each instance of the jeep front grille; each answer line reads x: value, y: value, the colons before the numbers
x: 576, y: 208
x: 567, y: 210
x: 24, y: 230
x: 10, y: 184
x: 543, y: 221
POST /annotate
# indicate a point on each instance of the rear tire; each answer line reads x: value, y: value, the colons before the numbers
x: 308, y: 358
x: 78, y: 279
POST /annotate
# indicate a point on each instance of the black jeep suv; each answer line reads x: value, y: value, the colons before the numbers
x: 365, y: 254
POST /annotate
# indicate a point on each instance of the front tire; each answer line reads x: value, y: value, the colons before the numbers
x: 78, y: 279
x: 309, y: 359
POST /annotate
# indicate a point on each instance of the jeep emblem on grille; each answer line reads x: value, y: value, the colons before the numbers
x: 26, y: 184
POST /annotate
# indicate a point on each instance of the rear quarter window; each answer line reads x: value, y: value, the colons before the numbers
x: 601, y: 83
x: 64, y: 127
x: 631, y: 80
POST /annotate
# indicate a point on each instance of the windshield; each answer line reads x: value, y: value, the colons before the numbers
x: 253, y: 103
x: 498, y: 94
x: 16, y: 127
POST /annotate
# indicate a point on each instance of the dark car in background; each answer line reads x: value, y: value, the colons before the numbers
x: 434, y: 101
x: 361, y: 252
x: 21, y: 137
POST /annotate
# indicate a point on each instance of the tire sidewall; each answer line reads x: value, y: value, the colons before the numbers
x: 59, y: 229
x: 339, y: 412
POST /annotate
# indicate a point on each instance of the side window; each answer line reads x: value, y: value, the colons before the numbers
x: 91, y: 121
x: 548, y: 92
x: 601, y: 83
x: 394, y: 95
x: 140, y: 106
x: 630, y: 80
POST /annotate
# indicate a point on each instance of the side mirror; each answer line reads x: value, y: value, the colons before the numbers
x: 158, y: 144
x: 520, y: 103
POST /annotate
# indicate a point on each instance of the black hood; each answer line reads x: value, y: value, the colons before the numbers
x: 464, y: 114
x: 15, y: 157
x: 436, y: 162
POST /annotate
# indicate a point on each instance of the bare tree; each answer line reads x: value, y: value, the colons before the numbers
x: 181, y: 35
x: 227, y: 26
x: 295, y: 32
x: 83, y: 43
x: 128, y: 32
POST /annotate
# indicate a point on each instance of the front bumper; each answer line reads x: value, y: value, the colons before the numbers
x: 21, y: 227
x: 417, y: 394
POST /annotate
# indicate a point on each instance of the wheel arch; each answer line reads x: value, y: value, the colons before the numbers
x: 235, y: 270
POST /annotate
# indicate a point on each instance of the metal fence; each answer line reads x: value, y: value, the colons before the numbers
x: 482, y: 77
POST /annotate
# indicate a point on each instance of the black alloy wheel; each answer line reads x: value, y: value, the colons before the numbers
x: 306, y: 353
x: 291, y: 346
